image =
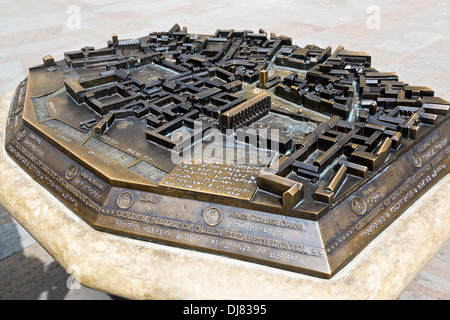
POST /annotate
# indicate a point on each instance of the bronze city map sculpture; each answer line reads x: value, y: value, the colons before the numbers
x: 237, y: 143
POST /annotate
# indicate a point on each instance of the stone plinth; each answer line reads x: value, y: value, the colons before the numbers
x: 143, y: 270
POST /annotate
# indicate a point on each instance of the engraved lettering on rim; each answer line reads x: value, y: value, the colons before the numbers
x: 71, y: 172
x: 125, y: 200
x: 212, y: 216
x: 415, y: 159
x: 359, y: 205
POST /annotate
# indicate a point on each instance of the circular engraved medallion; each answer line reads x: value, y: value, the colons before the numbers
x: 212, y: 216
x: 359, y: 205
x: 125, y: 200
x: 21, y: 134
x: 415, y: 159
x: 71, y: 172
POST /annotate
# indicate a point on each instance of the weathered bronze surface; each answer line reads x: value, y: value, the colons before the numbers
x: 236, y: 143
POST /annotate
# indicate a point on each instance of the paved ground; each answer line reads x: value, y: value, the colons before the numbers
x: 411, y: 38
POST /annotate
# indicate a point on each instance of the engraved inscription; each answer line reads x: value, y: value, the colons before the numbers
x: 402, y: 195
x: 234, y: 180
x: 89, y: 177
x: 270, y: 221
x: 35, y: 138
x: 397, y: 199
x: 32, y: 146
x: 370, y: 189
x: 196, y: 233
x: 149, y: 198
x: 58, y: 179
x: 429, y: 142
